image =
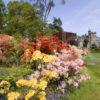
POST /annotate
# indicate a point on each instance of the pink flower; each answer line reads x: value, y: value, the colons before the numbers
x: 79, y: 62
x: 26, y: 40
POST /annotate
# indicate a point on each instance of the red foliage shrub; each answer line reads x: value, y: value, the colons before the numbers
x: 48, y: 44
x: 27, y: 48
x: 5, y: 40
x: 26, y: 43
x: 25, y: 57
x: 5, y: 45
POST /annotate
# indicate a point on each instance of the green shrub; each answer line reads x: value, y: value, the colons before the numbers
x: 15, y: 73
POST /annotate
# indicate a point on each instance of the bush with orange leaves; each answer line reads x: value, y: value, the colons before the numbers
x: 49, y: 44
x: 26, y: 56
x: 46, y: 44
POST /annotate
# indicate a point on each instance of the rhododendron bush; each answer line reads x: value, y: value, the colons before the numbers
x: 50, y: 43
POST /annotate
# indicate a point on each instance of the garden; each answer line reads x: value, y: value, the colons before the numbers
x: 37, y: 65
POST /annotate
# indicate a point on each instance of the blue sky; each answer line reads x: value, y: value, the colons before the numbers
x: 77, y: 15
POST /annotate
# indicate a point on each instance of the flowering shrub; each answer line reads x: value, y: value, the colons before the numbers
x: 25, y: 44
x: 55, y: 64
x: 5, y: 45
x: 66, y: 66
x: 4, y: 87
x: 36, y: 87
x: 26, y: 56
x: 62, y: 70
x: 13, y: 95
x: 50, y: 43
x: 37, y: 55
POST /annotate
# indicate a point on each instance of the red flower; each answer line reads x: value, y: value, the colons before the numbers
x: 51, y: 43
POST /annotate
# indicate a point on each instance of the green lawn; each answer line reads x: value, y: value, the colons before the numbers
x: 90, y: 90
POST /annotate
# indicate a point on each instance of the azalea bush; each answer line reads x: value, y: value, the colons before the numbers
x: 48, y: 44
x: 17, y: 51
x: 56, y: 66
x: 33, y: 88
x: 68, y: 66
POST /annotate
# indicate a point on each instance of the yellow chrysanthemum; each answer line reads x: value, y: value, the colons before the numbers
x: 29, y: 94
x: 42, y: 84
x: 13, y: 95
x: 41, y: 96
x: 49, y: 58
x: 51, y: 74
x: 37, y: 55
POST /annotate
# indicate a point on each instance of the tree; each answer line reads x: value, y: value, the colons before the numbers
x: 44, y: 7
x: 21, y: 18
x: 2, y: 12
x: 56, y: 25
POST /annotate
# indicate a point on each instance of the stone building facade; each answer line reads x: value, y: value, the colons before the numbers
x: 88, y: 40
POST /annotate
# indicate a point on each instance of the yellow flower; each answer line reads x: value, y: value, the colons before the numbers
x: 49, y: 58
x: 13, y: 95
x: 51, y: 74
x: 29, y: 94
x: 22, y: 82
x: 41, y: 96
x: 33, y: 82
x: 42, y: 84
x: 37, y: 55
x: 30, y: 83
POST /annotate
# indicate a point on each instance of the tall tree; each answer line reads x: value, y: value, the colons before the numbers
x: 56, y: 25
x: 44, y: 7
x: 21, y: 18
x: 2, y: 12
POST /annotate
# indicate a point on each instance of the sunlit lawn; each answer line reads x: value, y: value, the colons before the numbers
x: 90, y: 90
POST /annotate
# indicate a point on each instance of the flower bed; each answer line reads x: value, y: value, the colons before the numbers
x: 57, y: 66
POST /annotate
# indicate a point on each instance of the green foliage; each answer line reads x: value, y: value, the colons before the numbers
x: 14, y: 73
x: 21, y: 18
x: 95, y: 48
x: 56, y: 25
x: 2, y: 12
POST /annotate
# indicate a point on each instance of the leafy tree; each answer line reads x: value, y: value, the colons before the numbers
x: 56, y: 25
x: 21, y: 18
x: 2, y: 12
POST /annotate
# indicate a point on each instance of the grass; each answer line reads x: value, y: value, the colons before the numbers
x: 90, y: 90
